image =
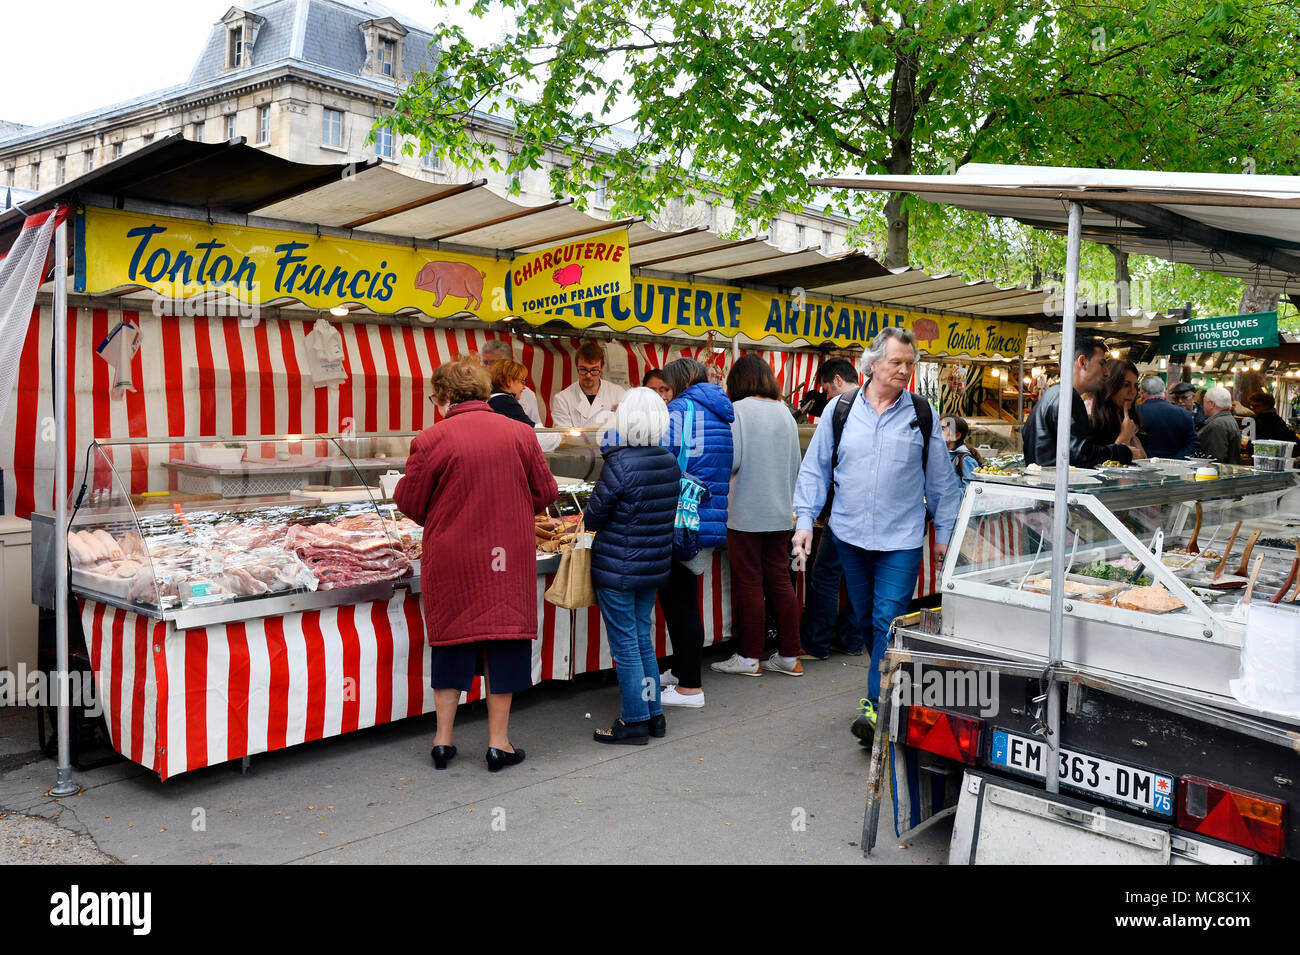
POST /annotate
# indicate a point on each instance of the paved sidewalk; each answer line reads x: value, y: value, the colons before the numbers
x: 728, y: 784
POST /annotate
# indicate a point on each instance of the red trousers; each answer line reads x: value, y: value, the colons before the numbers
x: 760, y: 570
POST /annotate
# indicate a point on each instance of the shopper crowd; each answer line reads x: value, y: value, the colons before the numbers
x: 689, y: 467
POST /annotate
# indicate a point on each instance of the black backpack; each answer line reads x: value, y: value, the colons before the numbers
x: 924, y: 421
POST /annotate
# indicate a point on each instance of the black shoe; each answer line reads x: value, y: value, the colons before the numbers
x: 498, y: 759
x: 631, y: 734
x: 441, y: 754
x: 658, y: 726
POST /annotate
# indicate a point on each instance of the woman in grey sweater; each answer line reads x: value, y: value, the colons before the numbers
x: 760, y: 517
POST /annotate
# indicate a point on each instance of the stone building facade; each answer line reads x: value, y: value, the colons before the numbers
x: 305, y: 80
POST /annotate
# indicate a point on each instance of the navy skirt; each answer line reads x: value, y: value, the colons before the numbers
x: 508, y: 665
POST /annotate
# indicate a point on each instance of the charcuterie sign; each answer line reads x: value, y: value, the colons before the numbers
x: 582, y: 271
x: 586, y: 283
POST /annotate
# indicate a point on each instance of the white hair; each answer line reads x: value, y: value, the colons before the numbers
x: 879, y: 344
x: 641, y: 419
x: 497, y: 348
x: 1151, y: 385
x: 1219, y: 397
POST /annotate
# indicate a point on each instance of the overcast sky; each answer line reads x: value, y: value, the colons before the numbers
x: 64, y: 57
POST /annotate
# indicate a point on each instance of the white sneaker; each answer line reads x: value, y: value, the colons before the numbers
x: 735, y: 664
x: 670, y: 697
x: 667, y: 679
x: 774, y: 662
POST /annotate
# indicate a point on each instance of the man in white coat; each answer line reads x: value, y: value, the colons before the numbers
x: 589, y: 402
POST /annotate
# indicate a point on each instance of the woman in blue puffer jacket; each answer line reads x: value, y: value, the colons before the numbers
x: 709, y: 452
x: 632, y: 510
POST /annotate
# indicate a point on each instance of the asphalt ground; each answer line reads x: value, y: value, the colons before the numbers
x: 767, y: 772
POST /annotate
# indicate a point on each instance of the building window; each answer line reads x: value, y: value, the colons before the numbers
x: 90, y: 159
x: 798, y: 236
x: 241, y: 36
x: 230, y: 126
x: 384, y: 143
x: 826, y: 241
x: 117, y: 150
x: 9, y: 177
x: 430, y: 160
x: 147, y: 138
x: 383, y: 38
x: 36, y: 176
x: 600, y: 199
x: 198, y: 131
x: 332, y: 128
x: 264, y: 124
x: 60, y: 170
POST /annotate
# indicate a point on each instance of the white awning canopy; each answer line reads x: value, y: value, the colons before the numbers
x: 1243, y: 226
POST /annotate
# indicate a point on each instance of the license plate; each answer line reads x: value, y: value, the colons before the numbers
x: 1117, y: 782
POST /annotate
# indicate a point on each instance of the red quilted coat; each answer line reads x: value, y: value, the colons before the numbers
x: 474, y: 481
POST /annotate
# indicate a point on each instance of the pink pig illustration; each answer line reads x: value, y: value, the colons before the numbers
x: 455, y: 279
x: 569, y: 275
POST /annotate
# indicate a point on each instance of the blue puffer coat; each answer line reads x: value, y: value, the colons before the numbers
x: 632, y: 511
x: 709, y: 450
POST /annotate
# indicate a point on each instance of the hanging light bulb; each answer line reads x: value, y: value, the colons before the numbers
x: 1164, y: 363
x: 1027, y: 379
x: 1114, y: 353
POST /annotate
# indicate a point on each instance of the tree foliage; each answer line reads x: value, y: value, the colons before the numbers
x: 682, y: 99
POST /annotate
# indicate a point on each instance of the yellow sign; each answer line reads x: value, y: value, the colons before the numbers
x: 567, y: 274
x: 585, y: 284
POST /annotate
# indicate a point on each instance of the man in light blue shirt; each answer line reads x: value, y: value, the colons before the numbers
x: 881, y: 495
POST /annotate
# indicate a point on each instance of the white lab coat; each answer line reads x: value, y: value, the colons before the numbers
x: 528, y: 399
x: 571, y: 409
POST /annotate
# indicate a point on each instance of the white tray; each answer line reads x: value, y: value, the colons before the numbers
x: 340, y: 495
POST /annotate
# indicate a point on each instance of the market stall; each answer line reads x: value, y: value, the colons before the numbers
x: 207, y: 299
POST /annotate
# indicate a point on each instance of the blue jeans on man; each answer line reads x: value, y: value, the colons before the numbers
x: 631, y: 644
x: 823, y: 603
x: 881, y: 584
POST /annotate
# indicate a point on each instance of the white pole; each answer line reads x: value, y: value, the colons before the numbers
x: 64, y: 786
x: 1065, y: 407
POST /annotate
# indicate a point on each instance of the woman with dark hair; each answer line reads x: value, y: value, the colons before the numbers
x: 760, y: 519
x: 474, y: 481
x: 654, y: 378
x: 700, y: 417
x: 964, y: 460
x: 1115, y: 401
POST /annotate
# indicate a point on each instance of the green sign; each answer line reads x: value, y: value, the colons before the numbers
x: 1226, y: 333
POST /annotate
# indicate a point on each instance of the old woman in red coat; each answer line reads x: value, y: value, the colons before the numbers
x: 474, y: 481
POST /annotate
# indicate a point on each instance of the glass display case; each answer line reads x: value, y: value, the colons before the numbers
x: 206, y: 529
x: 1160, y: 567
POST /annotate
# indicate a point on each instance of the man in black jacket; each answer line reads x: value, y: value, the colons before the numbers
x: 1040, y: 430
x: 1167, y: 430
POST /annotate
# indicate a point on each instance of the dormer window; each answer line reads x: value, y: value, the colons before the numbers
x: 241, y: 34
x: 383, y: 47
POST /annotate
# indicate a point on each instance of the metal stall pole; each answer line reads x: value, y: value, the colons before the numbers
x: 1065, y: 407
x: 1020, y: 385
x: 64, y: 785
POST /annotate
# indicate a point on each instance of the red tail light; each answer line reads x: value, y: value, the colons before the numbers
x: 1232, y: 815
x: 944, y: 734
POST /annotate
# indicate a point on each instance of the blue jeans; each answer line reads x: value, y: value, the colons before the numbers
x: 823, y: 602
x: 631, y: 644
x: 881, y: 584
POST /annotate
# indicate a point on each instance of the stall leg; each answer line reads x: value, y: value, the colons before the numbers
x: 244, y: 763
x: 877, y: 767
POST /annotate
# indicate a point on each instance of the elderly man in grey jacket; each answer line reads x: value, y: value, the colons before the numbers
x: 1220, y: 435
